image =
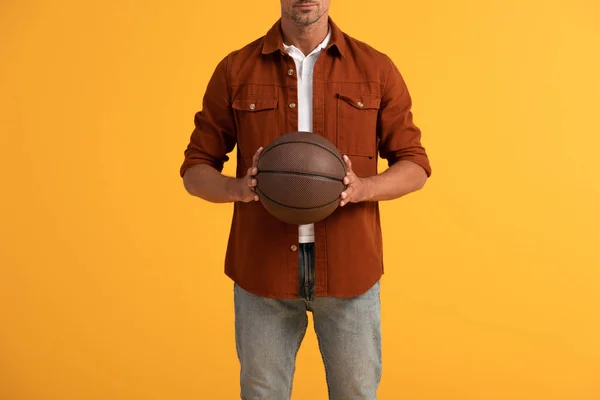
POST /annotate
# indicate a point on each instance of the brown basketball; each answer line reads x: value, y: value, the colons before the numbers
x: 300, y: 177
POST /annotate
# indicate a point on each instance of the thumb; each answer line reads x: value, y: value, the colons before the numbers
x: 348, y: 163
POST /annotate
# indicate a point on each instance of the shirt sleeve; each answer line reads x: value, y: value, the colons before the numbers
x: 214, y: 134
x: 399, y: 137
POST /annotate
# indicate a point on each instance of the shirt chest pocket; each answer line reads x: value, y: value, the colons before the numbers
x: 256, y: 124
x: 357, y: 123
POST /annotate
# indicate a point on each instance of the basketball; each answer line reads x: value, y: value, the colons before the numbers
x: 300, y: 177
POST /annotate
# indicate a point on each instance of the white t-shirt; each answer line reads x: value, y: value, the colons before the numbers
x: 304, y: 74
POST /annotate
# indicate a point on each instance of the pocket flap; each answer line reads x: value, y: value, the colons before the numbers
x: 361, y: 101
x: 255, y: 103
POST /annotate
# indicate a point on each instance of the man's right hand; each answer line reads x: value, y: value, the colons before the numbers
x: 246, y: 185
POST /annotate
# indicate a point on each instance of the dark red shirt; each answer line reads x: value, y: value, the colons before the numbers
x: 360, y: 103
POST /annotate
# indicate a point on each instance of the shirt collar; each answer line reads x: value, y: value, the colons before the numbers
x: 273, y: 40
x: 320, y: 47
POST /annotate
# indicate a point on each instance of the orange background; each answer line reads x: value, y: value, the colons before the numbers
x: 111, y: 277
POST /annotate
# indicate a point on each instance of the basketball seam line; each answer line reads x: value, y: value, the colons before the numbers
x: 269, y: 171
x: 297, y: 208
x: 314, y: 144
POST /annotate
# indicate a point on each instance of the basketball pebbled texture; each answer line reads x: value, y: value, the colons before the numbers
x: 300, y: 178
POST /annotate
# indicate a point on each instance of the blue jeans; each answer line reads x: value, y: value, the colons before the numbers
x: 269, y: 333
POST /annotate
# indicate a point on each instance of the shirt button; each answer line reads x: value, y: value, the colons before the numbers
x: 290, y: 71
x: 292, y: 105
x: 252, y: 106
x: 293, y: 247
x: 360, y: 104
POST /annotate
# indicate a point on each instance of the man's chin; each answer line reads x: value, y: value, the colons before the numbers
x: 307, y: 19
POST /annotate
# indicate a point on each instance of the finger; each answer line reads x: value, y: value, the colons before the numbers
x: 256, y: 157
x: 350, y: 178
x: 346, y: 194
x: 252, y: 196
x: 251, y: 183
x: 348, y: 163
x: 252, y: 171
x: 348, y: 199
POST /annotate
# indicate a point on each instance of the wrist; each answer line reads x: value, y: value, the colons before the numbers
x: 369, y: 188
x: 233, y: 189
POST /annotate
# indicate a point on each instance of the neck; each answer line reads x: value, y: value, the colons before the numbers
x: 305, y: 38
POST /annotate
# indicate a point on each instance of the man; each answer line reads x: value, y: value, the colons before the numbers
x: 306, y: 74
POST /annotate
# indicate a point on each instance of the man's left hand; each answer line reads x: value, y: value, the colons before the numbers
x: 357, y: 189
